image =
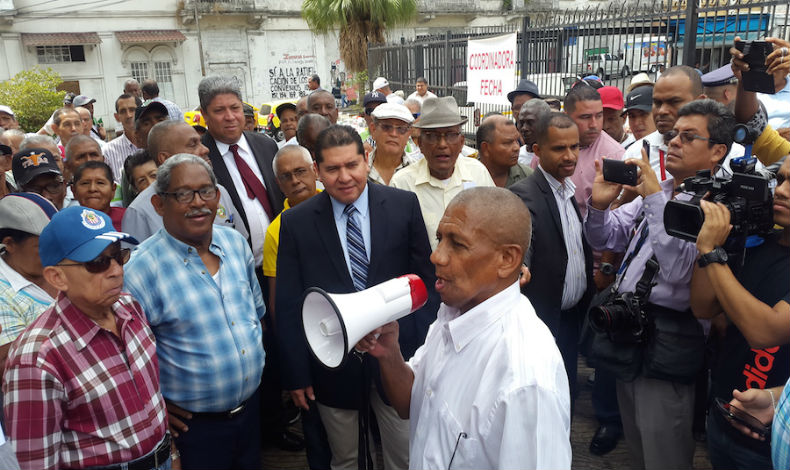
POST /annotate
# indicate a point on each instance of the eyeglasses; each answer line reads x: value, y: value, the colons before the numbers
x: 102, y: 263
x: 387, y: 128
x: 432, y: 137
x: 53, y: 188
x: 686, y: 137
x: 185, y: 196
x: 298, y: 173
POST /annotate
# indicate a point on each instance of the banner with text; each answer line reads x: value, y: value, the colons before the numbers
x: 491, y: 69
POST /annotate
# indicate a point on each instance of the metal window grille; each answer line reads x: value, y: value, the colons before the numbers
x: 53, y: 54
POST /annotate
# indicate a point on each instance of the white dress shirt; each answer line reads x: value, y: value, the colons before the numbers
x: 777, y: 106
x: 489, y: 385
x: 575, y: 282
x: 256, y: 216
x: 116, y: 152
x: 525, y: 157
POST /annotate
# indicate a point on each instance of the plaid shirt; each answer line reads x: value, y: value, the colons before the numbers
x: 780, y: 432
x: 209, y: 336
x: 78, y: 396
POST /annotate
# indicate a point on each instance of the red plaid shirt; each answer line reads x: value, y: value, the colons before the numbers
x: 78, y: 396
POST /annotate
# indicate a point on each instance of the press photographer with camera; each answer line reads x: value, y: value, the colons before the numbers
x: 754, y: 352
x: 656, y: 344
x: 770, y: 145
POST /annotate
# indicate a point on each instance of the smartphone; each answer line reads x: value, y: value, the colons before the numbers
x: 755, y: 53
x: 742, y: 417
x: 619, y: 172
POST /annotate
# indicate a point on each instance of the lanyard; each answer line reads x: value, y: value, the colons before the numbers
x: 623, y: 267
x: 662, y: 165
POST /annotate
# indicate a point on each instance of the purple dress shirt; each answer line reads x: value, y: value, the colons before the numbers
x: 613, y: 229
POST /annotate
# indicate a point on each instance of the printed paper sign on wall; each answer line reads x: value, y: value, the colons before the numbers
x: 491, y: 69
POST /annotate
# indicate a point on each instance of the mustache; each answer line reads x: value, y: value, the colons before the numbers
x: 198, y: 212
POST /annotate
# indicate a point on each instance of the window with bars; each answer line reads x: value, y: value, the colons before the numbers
x: 139, y: 71
x: 164, y: 78
x: 60, y: 54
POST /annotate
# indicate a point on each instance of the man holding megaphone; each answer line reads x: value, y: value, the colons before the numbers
x: 352, y: 236
x: 488, y: 388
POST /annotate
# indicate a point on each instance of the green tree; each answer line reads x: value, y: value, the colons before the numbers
x: 32, y: 96
x: 360, y: 22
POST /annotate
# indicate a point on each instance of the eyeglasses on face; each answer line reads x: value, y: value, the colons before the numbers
x: 299, y: 173
x: 686, y: 137
x: 54, y: 188
x: 433, y: 137
x: 387, y: 128
x: 102, y: 262
x: 185, y: 196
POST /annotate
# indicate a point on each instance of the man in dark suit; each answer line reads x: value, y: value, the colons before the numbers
x: 350, y: 237
x: 242, y: 162
x: 559, y: 257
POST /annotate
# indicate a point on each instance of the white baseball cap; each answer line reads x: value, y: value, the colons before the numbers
x: 393, y: 111
x: 380, y: 83
x: 6, y: 109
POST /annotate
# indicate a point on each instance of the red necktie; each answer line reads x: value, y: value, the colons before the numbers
x: 252, y: 184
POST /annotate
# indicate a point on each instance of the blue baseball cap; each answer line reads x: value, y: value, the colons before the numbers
x: 79, y: 234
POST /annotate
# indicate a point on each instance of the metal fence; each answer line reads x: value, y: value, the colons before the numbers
x: 613, y: 41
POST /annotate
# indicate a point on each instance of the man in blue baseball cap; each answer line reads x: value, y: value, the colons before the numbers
x: 81, y: 385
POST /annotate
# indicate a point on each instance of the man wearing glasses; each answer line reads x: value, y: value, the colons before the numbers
x: 81, y: 385
x: 36, y: 170
x: 441, y: 175
x: 206, y: 317
x: 390, y: 129
x: 661, y: 436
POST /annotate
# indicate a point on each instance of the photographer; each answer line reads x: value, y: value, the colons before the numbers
x: 770, y: 146
x: 659, y: 436
x: 755, y: 301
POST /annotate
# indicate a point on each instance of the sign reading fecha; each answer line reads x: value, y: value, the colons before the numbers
x: 288, y: 79
x: 491, y: 68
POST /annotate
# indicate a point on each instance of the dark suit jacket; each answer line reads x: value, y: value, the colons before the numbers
x: 264, y: 150
x: 547, y: 257
x: 310, y: 255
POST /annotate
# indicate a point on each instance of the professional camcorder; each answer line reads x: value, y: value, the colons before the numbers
x: 746, y: 193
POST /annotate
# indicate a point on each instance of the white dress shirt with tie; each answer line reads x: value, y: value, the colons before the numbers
x: 256, y: 215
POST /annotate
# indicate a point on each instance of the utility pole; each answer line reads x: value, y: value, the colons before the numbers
x: 199, y: 38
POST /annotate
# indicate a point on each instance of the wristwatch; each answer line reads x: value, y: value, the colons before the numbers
x: 606, y: 269
x: 718, y: 255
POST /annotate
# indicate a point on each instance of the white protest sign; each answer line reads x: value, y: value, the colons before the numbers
x: 491, y: 69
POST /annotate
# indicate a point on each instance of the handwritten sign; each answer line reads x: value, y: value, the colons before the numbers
x: 491, y: 68
x: 288, y: 79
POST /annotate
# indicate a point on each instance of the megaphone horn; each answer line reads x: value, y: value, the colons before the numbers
x: 334, y: 323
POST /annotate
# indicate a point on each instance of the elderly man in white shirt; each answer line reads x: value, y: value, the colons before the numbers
x: 488, y: 388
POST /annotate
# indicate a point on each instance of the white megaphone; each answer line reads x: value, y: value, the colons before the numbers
x: 334, y: 323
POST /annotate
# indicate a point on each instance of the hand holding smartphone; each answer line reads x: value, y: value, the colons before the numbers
x: 741, y: 417
x: 619, y: 172
x: 756, y: 78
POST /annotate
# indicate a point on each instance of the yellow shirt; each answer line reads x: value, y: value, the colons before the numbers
x: 770, y: 146
x: 272, y: 242
x: 434, y: 194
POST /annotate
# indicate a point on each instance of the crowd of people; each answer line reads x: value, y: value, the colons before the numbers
x: 175, y: 332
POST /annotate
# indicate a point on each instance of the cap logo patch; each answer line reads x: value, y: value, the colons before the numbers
x: 92, y: 220
x: 34, y: 159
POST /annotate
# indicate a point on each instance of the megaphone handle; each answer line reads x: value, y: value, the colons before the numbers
x: 364, y: 459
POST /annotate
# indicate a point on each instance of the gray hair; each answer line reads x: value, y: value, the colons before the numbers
x: 14, y: 133
x: 288, y: 149
x: 316, y: 93
x: 130, y: 81
x: 308, y: 120
x: 36, y: 141
x: 215, y: 85
x: 415, y: 102
x: 58, y: 114
x: 536, y: 106
x: 157, y: 135
x: 165, y: 171
x: 78, y: 140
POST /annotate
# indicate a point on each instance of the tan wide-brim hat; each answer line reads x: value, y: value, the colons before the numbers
x: 439, y: 112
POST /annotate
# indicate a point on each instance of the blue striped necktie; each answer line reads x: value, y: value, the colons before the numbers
x: 356, y: 249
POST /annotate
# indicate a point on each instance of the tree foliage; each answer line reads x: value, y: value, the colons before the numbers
x: 32, y: 96
x: 360, y: 22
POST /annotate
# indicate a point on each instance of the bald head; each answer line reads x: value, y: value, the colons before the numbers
x: 695, y: 80
x: 498, y: 214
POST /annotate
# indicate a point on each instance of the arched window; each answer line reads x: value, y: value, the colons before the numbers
x: 156, y: 62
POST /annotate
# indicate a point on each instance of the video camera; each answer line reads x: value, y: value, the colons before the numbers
x: 746, y: 193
